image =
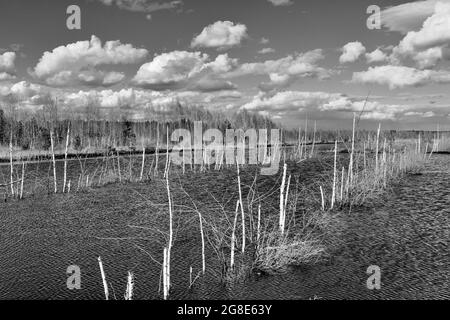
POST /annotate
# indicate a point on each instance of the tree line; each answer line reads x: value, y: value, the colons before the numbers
x: 33, y: 131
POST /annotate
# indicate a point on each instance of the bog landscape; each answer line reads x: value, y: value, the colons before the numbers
x: 152, y: 151
x: 217, y: 229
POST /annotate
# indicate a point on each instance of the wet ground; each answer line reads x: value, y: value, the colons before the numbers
x: 406, y: 235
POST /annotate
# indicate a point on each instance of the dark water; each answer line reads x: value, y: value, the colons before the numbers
x: 406, y: 235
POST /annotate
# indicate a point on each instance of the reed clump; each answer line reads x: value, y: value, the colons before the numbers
x: 441, y: 143
x: 275, y: 252
x: 370, y: 172
x: 274, y: 241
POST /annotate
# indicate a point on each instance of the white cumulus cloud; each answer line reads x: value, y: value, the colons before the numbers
x: 266, y: 50
x: 146, y: 6
x: 288, y: 100
x: 7, y: 65
x: 400, y: 76
x: 7, y: 61
x: 64, y: 64
x: 408, y: 16
x: 376, y: 56
x: 186, y: 70
x: 281, y: 2
x: 351, y: 52
x: 284, y: 71
x: 221, y: 35
x: 171, y: 68
x: 428, y: 45
x: 317, y: 103
x: 6, y: 76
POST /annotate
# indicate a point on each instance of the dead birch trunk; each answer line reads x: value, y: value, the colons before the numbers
x: 165, y: 276
x: 54, y: 161
x: 166, y: 168
x: 143, y: 163
x: 353, y: 149
x: 23, y: 178
x: 376, y: 148
x: 169, y: 247
x: 323, y: 198
x: 242, y: 207
x: 233, y: 236
x: 105, y: 284
x: 130, y: 286
x: 333, y: 196
x: 314, y: 140
x: 157, y: 150
x: 11, y: 165
x: 65, y: 159
x: 118, y: 166
x: 258, y: 232
x: 203, y: 241
x: 282, y: 187
x: 286, y: 196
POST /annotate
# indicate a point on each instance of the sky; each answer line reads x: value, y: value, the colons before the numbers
x: 286, y: 59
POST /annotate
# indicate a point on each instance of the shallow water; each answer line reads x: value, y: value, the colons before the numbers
x: 406, y: 235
